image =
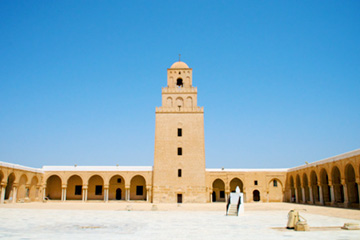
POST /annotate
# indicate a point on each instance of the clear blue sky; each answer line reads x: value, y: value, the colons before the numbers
x: 80, y: 80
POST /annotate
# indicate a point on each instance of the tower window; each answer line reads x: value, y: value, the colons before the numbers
x: 275, y: 183
x: 179, y: 151
x: 179, y: 82
x: 179, y: 132
x: 255, y: 182
x: 179, y: 172
x: 119, y: 180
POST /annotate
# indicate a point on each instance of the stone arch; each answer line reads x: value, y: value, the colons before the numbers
x: 314, y: 186
x: 236, y: 182
x: 23, y: 191
x: 116, y: 183
x: 1, y: 176
x: 187, y: 81
x: 138, y: 188
x: 9, y: 191
x: 275, y: 187
x: 306, y: 187
x: 189, y: 102
x: 218, y: 187
x: 298, y: 189
x: 74, y: 188
x: 256, y: 195
x: 324, y: 181
x: 33, y: 188
x: 338, y: 187
x: 95, y: 187
x: 352, y: 187
x: 292, y: 190
x: 169, y: 102
x: 179, y: 102
x: 53, y: 187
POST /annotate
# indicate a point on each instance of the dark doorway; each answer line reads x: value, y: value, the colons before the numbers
x: 214, y: 196
x: 256, y: 196
x: 179, y: 198
x: 118, y: 194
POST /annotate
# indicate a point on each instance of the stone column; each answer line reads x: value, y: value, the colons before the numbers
x: 311, y: 195
x: 226, y: 197
x: 37, y: 193
x: 211, y: 198
x: 346, y: 197
x: 321, y: 195
x: 296, y: 196
x: 14, y: 194
x: 85, y: 193
x: 303, y: 195
x: 63, y: 194
x: 127, y: 194
x: 332, y: 194
x: 44, y: 193
x: 106, y: 193
x: 2, y: 196
x: 147, y: 194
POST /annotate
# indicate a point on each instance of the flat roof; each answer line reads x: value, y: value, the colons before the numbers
x: 246, y: 170
x: 327, y: 160
x: 20, y: 167
x: 98, y: 168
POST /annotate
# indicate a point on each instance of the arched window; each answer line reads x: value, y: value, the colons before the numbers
x: 179, y: 82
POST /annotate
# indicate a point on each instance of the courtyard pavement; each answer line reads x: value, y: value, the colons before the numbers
x: 124, y: 220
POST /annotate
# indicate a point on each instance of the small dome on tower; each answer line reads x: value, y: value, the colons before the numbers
x: 179, y: 64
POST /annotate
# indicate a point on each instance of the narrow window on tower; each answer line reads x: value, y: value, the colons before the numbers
x: 275, y: 183
x: 179, y: 172
x: 255, y: 182
x: 179, y: 151
x: 179, y: 132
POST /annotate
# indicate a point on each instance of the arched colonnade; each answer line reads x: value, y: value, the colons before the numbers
x: 19, y: 185
x: 273, y: 191
x: 97, y: 186
x: 333, y: 184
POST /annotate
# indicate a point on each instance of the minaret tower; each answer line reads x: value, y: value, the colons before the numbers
x: 179, y: 159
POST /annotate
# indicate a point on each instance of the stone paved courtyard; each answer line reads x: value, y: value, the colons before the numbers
x: 34, y: 223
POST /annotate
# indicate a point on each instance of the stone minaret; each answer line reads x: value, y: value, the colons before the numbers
x: 179, y: 159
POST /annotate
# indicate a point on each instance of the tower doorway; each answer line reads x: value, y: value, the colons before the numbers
x: 256, y: 196
x: 179, y: 198
x: 118, y: 194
